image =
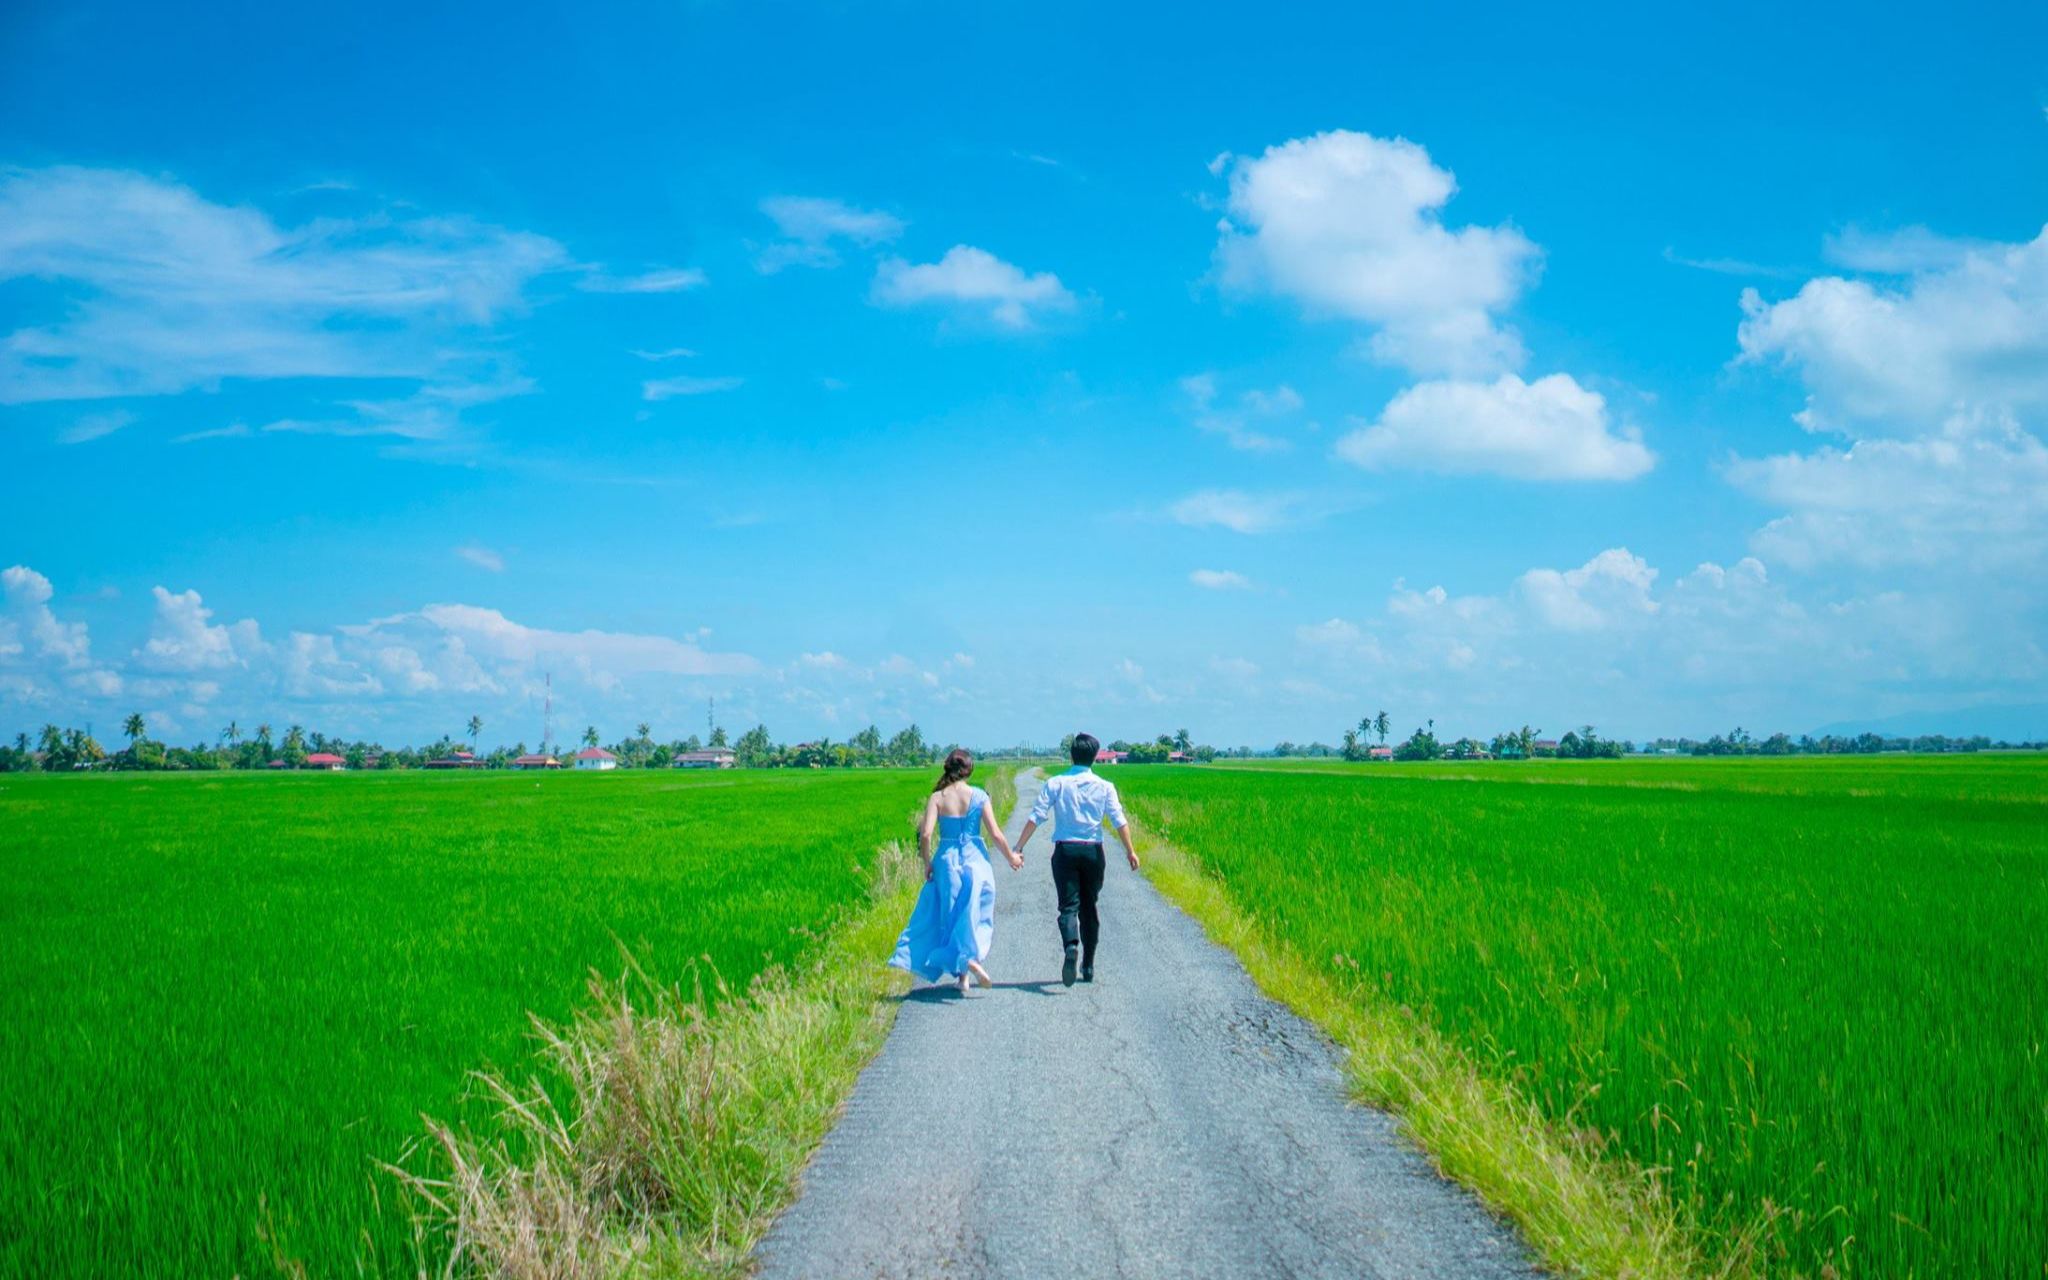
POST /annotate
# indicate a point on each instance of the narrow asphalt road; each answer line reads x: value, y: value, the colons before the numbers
x: 1168, y: 1120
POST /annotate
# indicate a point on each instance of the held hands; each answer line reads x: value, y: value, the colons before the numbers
x: 1016, y: 860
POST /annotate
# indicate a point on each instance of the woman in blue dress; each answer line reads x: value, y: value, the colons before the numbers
x: 955, y: 920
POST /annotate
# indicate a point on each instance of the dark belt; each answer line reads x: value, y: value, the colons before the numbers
x: 1058, y: 845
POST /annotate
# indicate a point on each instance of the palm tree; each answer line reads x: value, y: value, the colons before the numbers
x: 21, y: 743
x: 1380, y: 725
x: 263, y: 737
x: 590, y: 736
x: 233, y: 733
x: 643, y: 729
x: 476, y: 726
x: 134, y: 728
x: 1183, y: 743
x: 1526, y: 739
x: 1351, y: 744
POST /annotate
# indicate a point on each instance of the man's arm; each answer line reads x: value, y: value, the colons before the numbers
x: 1041, y: 809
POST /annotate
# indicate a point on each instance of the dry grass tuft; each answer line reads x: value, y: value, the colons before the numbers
x: 679, y: 1125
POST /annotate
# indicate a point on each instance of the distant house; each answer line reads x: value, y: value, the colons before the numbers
x: 454, y: 760
x: 373, y: 761
x: 1106, y: 756
x: 1544, y: 744
x: 277, y: 764
x: 1179, y: 757
x: 536, y: 762
x: 710, y: 758
x: 325, y: 760
x: 1379, y: 753
x: 591, y: 758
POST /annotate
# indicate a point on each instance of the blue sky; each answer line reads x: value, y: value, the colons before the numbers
x: 1159, y: 368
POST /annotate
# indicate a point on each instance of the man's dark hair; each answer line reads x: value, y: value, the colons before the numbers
x: 1085, y: 747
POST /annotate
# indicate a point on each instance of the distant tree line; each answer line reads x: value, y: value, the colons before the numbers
x: 58, y: 750
x: 1159, y: 750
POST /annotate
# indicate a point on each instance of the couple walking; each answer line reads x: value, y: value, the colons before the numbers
x: 955, y: 920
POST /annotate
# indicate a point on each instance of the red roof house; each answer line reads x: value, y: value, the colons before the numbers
x: 596, y: 758
x: 325, y: 760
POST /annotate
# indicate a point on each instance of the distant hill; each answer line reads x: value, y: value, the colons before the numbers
x: 2010, y: 723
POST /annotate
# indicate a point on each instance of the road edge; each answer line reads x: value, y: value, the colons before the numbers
x: 1581, y: 1214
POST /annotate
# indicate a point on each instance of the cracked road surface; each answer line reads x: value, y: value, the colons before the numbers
x: 1168, y: 1120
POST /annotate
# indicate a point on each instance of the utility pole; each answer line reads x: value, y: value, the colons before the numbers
x: 710, y: 719
x: 547, y: 715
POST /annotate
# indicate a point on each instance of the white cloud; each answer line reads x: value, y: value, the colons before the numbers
x: 1235, y: 510
x: 1333, y: 631
x: 482, y: 557
x: 810, y: 226
x: 975, y: 280
x: 28, y: 627
x: 1351, y: 225
x: 171, y: 292
x: 1967, y: 332
x: 94, y: 426
x: 825, y: 661
x: 669, y: 388
x: 1968, y: 502
x: 660, y: 280
x: 1234, y: 421
x: 1549, y: 429
x: 1220, y: 580
x: 671, y: 353
x: 1611, y: 588
x: 184, y: 639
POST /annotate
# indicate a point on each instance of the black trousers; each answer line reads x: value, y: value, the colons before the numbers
x: 1077, y: 878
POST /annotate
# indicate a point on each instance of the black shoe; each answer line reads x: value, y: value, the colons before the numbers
x: 1087, y: 973
x: 1067, y: 969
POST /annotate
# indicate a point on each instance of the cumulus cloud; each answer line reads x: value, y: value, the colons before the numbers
x: 1220, y: 580
x: 1969, y: 500
x: 1236, y: 510
x: 29, y: 628
x: 976, y: 281
x: 811, y: 228
x: 1351, y: 225
x: 170, y: 291
x: 184, y: 638
x: 1613, y: 587
x: 1966, y: 332
x: 1937, y: 374
x: 1549, y: 429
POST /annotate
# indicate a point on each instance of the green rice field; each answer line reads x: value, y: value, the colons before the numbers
x: 224, y: 998
x: 1814, y: 992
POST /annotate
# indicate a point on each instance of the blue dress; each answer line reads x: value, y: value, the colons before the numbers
x: 955, y: 917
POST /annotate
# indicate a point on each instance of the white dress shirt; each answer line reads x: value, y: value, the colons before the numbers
x: 1077, y: 801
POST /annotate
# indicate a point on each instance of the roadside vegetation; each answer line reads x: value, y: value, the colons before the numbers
x: 226, y: 1001
x: 1674, y: 1017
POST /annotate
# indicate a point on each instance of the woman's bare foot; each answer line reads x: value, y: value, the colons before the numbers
x: 980, y: 974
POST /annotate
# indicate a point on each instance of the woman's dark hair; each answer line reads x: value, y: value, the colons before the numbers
x: 959, y: 765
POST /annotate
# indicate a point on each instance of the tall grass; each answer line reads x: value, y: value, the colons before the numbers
x: 1815, y: 1016
x: 678, y: 1129
x: 223, y: 1000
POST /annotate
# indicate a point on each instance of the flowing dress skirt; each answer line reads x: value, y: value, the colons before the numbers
x: 955, y: 917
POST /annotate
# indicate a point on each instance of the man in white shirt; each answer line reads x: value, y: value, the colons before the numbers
x: 1078, y: 802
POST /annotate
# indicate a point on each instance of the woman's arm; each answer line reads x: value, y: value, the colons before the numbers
x: 995, y: 836
x: 927, y: 822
